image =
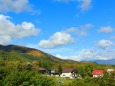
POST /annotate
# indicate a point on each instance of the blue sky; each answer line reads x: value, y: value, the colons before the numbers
x: 80, y: 30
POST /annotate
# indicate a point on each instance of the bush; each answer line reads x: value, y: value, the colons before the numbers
x: 27, y: 78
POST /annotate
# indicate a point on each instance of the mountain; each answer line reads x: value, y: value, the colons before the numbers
x: 111, y: 61
x: 26, y: 53
x: 16, y: 52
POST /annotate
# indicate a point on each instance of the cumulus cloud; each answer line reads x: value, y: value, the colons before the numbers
x: 5, y: 39
x: 85, y: 4
x: 88, y: 55
x: 58, y: 39
x: 107, y: 29
x: 81, y: 31
x: 15, y: 6
x: 64, y: 37
x: 104, y: 44
x: 9, y: 30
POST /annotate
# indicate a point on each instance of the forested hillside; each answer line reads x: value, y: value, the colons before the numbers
x: 23, y: 53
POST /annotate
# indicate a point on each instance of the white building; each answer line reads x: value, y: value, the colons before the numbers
x: 110, y: 70
x: 68, y: 73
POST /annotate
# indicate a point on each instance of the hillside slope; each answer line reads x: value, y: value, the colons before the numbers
x: 28, y: 52
x: 16, y: 52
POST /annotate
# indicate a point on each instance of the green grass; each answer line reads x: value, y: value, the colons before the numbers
x: 67, y: 82
x: 63, y: 81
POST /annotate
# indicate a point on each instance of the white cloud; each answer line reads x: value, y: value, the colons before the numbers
x: 86, y: 27
x: 107, y: 29
x: 15, y: 6
x: 104, y: 44
x: 58, y: 39
x: 85, y: 4
x: 64, y: 37
x: 81, y: 31
x: 5, y: 39
x: 88, y: 55
x: 9, y: 30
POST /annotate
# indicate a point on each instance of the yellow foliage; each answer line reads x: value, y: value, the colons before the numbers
x: 35, y: 53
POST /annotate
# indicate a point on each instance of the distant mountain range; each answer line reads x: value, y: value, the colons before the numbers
x: 111, y: 61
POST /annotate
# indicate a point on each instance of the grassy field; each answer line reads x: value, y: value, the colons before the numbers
x: 63, y: 81
x: 67, y: 82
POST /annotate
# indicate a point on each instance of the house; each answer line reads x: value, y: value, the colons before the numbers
x: 113, y: 72
x: 54, y: 72
x: 68, y: 73
x: 43, y: 70
x: 109, y: 71
x: 97, y: 73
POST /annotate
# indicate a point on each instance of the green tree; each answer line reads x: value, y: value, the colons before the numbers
x: 60, y: 69
x: 46, y: 64
x: 27, y: 78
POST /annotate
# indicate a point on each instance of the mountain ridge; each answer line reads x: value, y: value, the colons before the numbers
x: 35, y: 54
x: 29, y: 51
x: 32, y: 51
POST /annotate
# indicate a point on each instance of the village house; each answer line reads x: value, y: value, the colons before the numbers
x: 68, y: 73
x: 43, y: 71
x: 97, y: 73
x: 114, y: 74
x: 54, y: 72
x: 109, y: 71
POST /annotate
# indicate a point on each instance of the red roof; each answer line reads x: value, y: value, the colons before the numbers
x: 97, y: 72
x: 41, y: 68
x: 67, y: 70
